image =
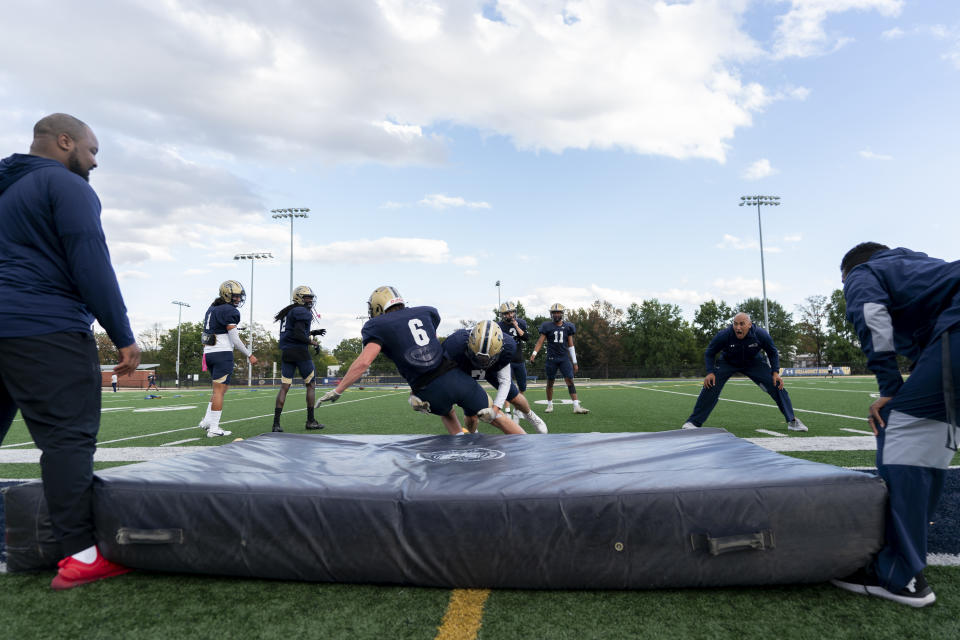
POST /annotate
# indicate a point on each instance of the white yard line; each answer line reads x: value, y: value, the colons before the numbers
x: 175, y: 442
x: 772, y: 433
x: 868, y: 433
x: 756, y: 404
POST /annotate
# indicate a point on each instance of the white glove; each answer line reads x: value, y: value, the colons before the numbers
x: 330, y: 396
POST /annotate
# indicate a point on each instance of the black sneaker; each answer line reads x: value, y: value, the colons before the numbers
x: 917, y: 593
x: 277, y: 428
x: 313, y: 424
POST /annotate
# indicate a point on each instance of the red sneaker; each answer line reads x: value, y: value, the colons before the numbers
x: 73, y: 573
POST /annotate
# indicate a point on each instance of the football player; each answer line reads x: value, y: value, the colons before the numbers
x: 296, y: 338
x: 515, y: 327
x: 220, y: 338
x: 408, y: 336
x: 488, y: 352
x: 561, y: 355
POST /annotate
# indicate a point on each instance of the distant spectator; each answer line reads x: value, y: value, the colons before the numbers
x: 113, y: 382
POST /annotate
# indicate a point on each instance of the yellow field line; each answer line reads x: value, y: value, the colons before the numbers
x: 464, y: 614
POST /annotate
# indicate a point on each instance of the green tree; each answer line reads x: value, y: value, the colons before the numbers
x: 349, y: 350
x: 842, y: 345
x: 710, y: 318
x: 658, y: 340
x: 812, y: 328
x: 106, y: 351
x: 781, y: 327
x: 598, y: 336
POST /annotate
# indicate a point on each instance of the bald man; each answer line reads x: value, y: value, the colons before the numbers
x: 741, y: 347
x: 55, y: 279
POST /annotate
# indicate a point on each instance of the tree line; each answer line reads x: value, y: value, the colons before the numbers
x: 647, y: 339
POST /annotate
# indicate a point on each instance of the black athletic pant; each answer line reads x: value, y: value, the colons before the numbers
x: 55, y: 380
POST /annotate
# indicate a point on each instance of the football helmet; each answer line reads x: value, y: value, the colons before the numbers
x: 556, y: 312
x: 232, y: 291
x: 382, y: 299
x: 508, y: 310
x: 301, y: 293
x: 485, y: 343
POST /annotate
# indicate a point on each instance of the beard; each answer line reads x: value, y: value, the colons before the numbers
x: 74, y: 165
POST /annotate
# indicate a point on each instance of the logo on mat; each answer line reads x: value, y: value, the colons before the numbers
x: 476, y: 454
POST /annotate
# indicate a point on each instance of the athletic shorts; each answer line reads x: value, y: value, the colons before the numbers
x: 455, y: 387
x: 305, y: 367
x: 220, y: 364
x: 564, y: 366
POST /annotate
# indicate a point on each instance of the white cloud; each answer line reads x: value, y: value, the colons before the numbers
x: 378, y: 251
x: 390, y: 204
x: 800, y: 32
x: 733, y: 242
x: 759, y: 169
x: 442, y: 201
x: 740, y: 287
x: 465, y: 261
x: 870, y: 155
x: 796, y: 237
x: 893, y: 34
x: 196, y: 272
x: 132, y: 275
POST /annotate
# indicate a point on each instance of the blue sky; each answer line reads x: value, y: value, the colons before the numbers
x: 572, y: 150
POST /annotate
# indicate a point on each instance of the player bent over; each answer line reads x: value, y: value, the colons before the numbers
x: 561, y: 355
x: 486, y: 350
x: 220, y: 338
x: 295, y: 340
x: 408, y: 336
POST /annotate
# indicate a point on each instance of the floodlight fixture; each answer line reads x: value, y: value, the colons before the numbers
x: 293, y: 212
x: 252, y: 257
x: 762, y: 201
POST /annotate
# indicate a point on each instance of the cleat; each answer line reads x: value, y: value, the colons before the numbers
x: 313, y: 425
x: 277, y: 428
x: 418, y: 405
x: 203, y: 425
x: 73, y: 573
x: 549, y: 409
x: 689, y: 425
x: 581, y: 410
x: 213, y: 432
x: 796, y: 425
x: 538, y: 422
x: 917, y: 593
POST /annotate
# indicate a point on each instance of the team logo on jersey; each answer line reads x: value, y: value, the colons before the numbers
x: 475, y: 454
x: 419, y: 356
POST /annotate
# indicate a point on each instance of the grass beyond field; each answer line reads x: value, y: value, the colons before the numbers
x: 146, y: 605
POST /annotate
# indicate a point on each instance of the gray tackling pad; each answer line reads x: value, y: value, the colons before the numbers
x: 687, y: 508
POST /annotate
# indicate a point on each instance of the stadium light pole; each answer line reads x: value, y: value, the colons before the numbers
x: 498, y: 297
x: 252, y: 257
x: 296, y: 212
x: 761, y: 201
x: 181, y: 305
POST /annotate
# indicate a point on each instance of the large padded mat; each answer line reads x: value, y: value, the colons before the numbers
x: 621, y: 510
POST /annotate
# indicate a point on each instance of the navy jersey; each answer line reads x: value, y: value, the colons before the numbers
x: 557, y: 338
x: 455, y: 349
x: 740, y: 353
x: 408, y: 337
x: 510, y: 330
x: 900, y: 301
x: 218, y: 317
x: 295, y: 328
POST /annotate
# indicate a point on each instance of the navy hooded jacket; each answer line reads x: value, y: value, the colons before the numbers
x: 900, y: 301
x: 741, y: 353
x: 55, y: 271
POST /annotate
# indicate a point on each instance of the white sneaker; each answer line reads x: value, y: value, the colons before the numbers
x: 689, y: 425
x: 538, y: 423
x: 549, y: 409
x: 796, y: 425
x: 203, y: 425
x: 581, y: 410
x: 217, y: 431
x: 418, y: 405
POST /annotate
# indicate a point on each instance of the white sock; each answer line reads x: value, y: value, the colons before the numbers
x: 549, y: 403
x: 87, y: 556
x: 576, y: 404
x: 214, y: 420
x: 206, y: 417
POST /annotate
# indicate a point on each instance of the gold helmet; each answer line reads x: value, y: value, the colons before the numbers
x: 382, y: 299
x: 232, y: 291
x: 507, y: 307
x: 557, y: 309
x: 302, y: 292
x: 485, y: 343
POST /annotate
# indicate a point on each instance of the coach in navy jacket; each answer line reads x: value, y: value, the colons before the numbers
x: 55, y: 278
x: 904, y: 302
x: 741, y: 347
